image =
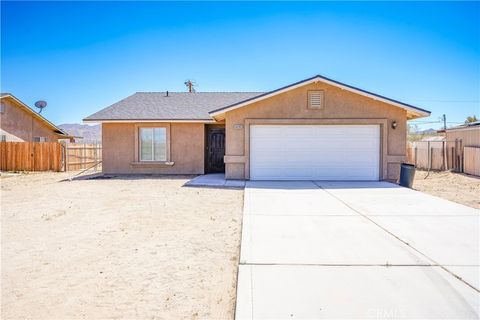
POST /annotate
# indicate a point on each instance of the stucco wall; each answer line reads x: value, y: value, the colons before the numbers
x: 186, y: 149
x: 20, y: 125
x: 340, y: 107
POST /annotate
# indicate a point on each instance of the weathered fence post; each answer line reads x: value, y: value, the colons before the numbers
x: 444, y: 155
x: 95, y: 155
x: 429, y: 154
x: 461, y: 155
x: 416, y: 155
x: 457, y: 153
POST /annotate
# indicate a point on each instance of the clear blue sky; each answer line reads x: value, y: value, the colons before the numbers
x: 84, y: 56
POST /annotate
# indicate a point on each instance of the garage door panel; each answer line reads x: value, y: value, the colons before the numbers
x: 358, y: 155
x: 330, y: 173
x: 314, y: 152
x: 364, y: 175
x: 296, y: 134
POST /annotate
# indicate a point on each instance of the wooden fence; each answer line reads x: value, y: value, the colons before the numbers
x: 444, y: 155
x: 31, y: 156
x: 80, y: 156
x: 49, y: 156
x: 471, y: 160
x: 436, y: 155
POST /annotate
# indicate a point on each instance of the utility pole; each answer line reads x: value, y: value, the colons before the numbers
x: 444, y: 144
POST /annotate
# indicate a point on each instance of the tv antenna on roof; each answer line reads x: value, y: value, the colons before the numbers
x: 40, y: 105
x: 190, y: 85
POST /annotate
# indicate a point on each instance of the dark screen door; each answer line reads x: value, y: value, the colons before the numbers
x: 215, y: 150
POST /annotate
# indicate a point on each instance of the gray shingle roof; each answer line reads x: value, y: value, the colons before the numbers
x: 177, y: 106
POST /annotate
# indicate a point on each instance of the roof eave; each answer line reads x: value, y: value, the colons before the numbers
x: 416, y: 115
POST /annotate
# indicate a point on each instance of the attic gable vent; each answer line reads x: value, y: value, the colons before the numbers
x: 315, y: 99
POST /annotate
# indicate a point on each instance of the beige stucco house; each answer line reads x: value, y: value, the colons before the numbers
x: 18, y: 123
x: 317, y: 128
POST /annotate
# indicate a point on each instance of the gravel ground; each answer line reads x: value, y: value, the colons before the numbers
x: 130, y: 248
x: 457, y: 187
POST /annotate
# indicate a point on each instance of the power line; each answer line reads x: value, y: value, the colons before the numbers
x: 440, y: 121
x: 423, y: 121
x: 460, y: 101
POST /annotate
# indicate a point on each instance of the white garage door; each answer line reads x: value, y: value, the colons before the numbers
x: 314, y: 152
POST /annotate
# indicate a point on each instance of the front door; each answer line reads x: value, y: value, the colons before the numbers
x: 215, y: 150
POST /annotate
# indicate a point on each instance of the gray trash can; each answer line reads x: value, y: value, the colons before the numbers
x: 407, y: 174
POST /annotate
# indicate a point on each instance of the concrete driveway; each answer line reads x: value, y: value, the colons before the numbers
x: 356, y: 250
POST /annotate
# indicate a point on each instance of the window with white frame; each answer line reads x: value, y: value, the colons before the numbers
x: 39, y: 139
x: 153, y: 144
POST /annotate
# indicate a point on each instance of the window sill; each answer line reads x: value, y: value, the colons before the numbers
x: 150, y: 164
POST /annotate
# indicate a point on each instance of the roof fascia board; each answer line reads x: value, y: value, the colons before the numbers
x: 413, y: 110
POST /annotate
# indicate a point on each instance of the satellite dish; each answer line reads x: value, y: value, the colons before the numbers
x: 40, y: 105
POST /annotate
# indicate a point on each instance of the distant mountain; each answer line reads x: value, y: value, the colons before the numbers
x: 430, y: 131
x: 89, y: 133
x: 424, y: 135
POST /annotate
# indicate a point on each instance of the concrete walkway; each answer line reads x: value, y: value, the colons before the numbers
x: 215, y: 180
x: 356, y: 250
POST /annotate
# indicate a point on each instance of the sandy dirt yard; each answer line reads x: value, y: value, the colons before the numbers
x: 455, y: 187
x: 129, y: 248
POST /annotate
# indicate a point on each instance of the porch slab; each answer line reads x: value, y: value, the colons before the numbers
x: 215, y: 180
